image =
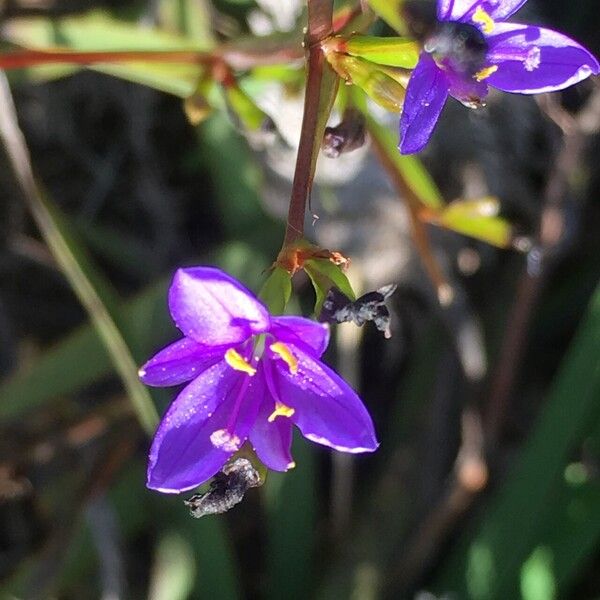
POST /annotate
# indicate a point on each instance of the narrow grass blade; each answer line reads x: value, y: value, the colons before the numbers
x: 85, y: 282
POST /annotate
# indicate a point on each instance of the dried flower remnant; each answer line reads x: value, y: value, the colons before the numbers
x: 348, y: 135
x: 338, y: 308
x: 227, y: 489
x: 468, y: 48
x: 252, y: 376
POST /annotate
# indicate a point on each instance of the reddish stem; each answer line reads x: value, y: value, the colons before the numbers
x: 239, y: 59
x: 320, y: 17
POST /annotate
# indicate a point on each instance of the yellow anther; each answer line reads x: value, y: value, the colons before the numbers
x: 483, y: 18
x: 237, y: 362
x: 286, y: 355
x: 485, y: 73
x: 281, y: 410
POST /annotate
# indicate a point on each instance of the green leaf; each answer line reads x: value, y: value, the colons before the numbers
x: 251, y: 117
x: 98, y: 32
x: 478, y: 219
x: 191, y: 18
x: 390, y: 12
x: 277, y: 290
x: 325, y: 275
x: 410, y: 168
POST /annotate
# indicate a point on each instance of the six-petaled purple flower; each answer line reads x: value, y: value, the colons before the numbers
x: 253, y: 376
x: 470, y: 48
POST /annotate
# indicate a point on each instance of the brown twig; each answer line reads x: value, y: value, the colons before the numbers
x: 468, y: 480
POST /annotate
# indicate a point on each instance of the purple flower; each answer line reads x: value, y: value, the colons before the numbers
x: 252, y: 376
x: 470, y: 48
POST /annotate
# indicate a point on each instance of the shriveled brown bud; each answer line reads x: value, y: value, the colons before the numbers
x: 349, y: 135
x: 226, y: 489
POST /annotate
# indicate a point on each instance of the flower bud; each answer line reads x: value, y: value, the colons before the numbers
x: 393, y: 51
x: 380, y: 87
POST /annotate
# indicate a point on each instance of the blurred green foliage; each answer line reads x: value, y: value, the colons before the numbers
x: 534, y: 534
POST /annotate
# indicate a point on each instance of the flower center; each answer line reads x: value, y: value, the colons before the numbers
x: 458, y: 47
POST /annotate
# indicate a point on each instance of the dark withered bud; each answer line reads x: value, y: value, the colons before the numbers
x: 338, y: 308
x: 349, y: 135
x: 226, y: 489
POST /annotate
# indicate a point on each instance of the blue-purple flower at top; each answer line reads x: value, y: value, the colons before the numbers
x: 470, y: 48
x: 252, y: 376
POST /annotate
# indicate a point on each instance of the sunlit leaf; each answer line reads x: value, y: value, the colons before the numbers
x: 277, y: 290
x: 325, y: 275
x: 478, y: 219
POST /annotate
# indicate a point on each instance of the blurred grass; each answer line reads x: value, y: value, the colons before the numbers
x: 513, y: 544
x: 532, y: 543
x: 86, y: 281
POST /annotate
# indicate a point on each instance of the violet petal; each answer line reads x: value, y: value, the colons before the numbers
x: 454, y: 10
x: 298, y: 330
x: 532, y: 60
x: 467, y: 90
x: 179, y: 362
x: 272, y: 440
x: 462, y: 10
x: 182, y: 454
x: 326, y: 409
x: 425, y: 97
x: 214, y: 309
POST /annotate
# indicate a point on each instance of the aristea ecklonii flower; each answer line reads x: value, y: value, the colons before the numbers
x: 469, y: 49
x: 252, y: 376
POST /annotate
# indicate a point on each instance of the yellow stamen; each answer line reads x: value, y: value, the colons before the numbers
x: 291, y: 465
x: 281, y: 410
x: 237, y: 362
x: 483, y: 18
x: 286, y: 355
x: 485, y: 73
